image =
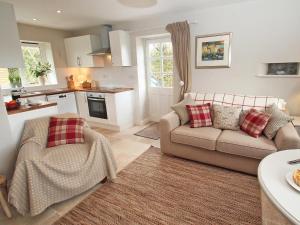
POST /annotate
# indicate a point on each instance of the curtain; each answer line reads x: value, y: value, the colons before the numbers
x: 180, y: 36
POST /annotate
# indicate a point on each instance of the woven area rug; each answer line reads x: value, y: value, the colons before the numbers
x: 151, y: 132
x: 159, y: 189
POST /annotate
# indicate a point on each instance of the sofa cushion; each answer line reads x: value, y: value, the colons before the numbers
x: 278, y: 119
x: 226, y: 117
x: 204, y: 137
x: 199, y: 115
x: 240, y: 143
x: 255, y: 122
x: 180, y: 109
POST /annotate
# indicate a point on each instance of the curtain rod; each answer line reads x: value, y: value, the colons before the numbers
x: 154, y: 28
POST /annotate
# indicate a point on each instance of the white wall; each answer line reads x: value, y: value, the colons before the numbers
x: 263, y: 31
x: 7, y: 145
x: 10, y: 47
x: 10, y: 56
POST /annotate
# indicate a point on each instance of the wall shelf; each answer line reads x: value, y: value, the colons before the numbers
x: 277, y: 76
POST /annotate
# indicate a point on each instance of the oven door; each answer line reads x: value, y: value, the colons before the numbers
x: 97, y: 107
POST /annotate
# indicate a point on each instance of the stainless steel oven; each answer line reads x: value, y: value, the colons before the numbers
x: 97, y: 105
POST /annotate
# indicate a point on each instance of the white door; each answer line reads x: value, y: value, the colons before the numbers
x: 159, y: 60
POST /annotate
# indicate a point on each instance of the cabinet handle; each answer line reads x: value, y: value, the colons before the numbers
x: 78, y: 61
x: 62, y: 96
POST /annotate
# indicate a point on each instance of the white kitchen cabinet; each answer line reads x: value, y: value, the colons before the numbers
x: 10, y: 53
x: 120, y: 109
x: 78, y: 49
x: 66, y: 102
x: 82, y: 104
x: 120, y: 48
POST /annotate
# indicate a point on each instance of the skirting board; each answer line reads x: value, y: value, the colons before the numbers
x: 143, y: 122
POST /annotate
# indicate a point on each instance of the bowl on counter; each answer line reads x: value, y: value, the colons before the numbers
x: 11, y: 105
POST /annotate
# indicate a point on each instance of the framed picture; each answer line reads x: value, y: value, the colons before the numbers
x: 213, y: 51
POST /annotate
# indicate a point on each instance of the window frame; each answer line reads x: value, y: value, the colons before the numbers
x: 148, y: 59
x: 46, y: 56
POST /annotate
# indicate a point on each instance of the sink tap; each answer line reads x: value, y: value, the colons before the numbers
x: 22, y: 90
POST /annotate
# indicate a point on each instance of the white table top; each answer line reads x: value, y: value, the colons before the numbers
x: 271, y: 174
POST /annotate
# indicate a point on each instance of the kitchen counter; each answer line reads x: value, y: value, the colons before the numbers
x: 66, y: 90
x: 30, y: 108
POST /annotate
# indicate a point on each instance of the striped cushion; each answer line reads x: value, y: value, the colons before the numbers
x: 278, y: 119
x: 245, y: 101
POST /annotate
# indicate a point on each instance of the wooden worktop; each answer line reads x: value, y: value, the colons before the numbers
x: 66, y: 90
x: 27, y: 108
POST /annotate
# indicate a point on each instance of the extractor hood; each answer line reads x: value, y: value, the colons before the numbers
x: 105, y: 45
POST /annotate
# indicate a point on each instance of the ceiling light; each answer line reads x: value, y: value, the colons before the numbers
x: 34, y: 19
x: 138, y: 3
x: 59, y: 11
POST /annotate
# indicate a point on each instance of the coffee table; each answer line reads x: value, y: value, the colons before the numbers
x: 280, y: 201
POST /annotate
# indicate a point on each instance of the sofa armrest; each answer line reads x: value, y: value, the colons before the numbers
x: 167, y: 123
x: 287, y: 138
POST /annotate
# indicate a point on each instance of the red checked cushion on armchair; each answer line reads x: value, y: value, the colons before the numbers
x: 65, y: 131
x: 199, y: 115
x: 255, y: 122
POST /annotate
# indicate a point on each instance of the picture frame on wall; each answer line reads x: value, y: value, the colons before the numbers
x: 213, y: 51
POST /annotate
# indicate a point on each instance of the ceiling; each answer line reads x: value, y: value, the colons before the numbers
x: 78, y: 14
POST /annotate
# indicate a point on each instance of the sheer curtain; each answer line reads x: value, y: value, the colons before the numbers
x: 180, y: 36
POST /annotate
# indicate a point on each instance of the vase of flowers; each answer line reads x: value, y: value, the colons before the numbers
x: 40, y: 71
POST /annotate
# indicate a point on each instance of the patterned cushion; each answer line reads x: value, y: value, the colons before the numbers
x: 245, y: 101
x: 181, y: 110
x: 255, y: 122
x: 278, y: 119
x: 226, y: 117
x: 199, y: 115
x: 65, y: 131
x: 243, y: 116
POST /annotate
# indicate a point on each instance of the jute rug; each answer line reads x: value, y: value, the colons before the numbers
x: 151, y: 132
x: 159, y: 189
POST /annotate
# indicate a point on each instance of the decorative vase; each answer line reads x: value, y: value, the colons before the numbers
x: 42, y: 80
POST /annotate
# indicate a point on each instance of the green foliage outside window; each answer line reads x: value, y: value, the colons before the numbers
x: 161, y: 64
x: 32, y: 57
x: 14, y: 77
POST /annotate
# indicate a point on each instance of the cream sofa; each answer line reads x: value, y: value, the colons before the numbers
x: 225, y: 148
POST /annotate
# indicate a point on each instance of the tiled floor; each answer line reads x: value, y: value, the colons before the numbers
x: 126, y: 148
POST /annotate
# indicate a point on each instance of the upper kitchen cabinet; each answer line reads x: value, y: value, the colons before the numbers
x: 78, y: 51
x: 120, y: 48
x: 10, y: 45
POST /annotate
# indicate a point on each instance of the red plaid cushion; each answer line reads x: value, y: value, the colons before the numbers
x: 65, y: 131
x: 199, y: 115
x: 255, y: 122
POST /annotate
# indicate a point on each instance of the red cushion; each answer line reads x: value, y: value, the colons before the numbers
x: 65, y: 131
x: 199, y: 115
x: 255, y: 122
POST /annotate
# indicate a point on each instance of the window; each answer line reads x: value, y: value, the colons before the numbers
x: 33, y: 53
x: 159, y: 54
